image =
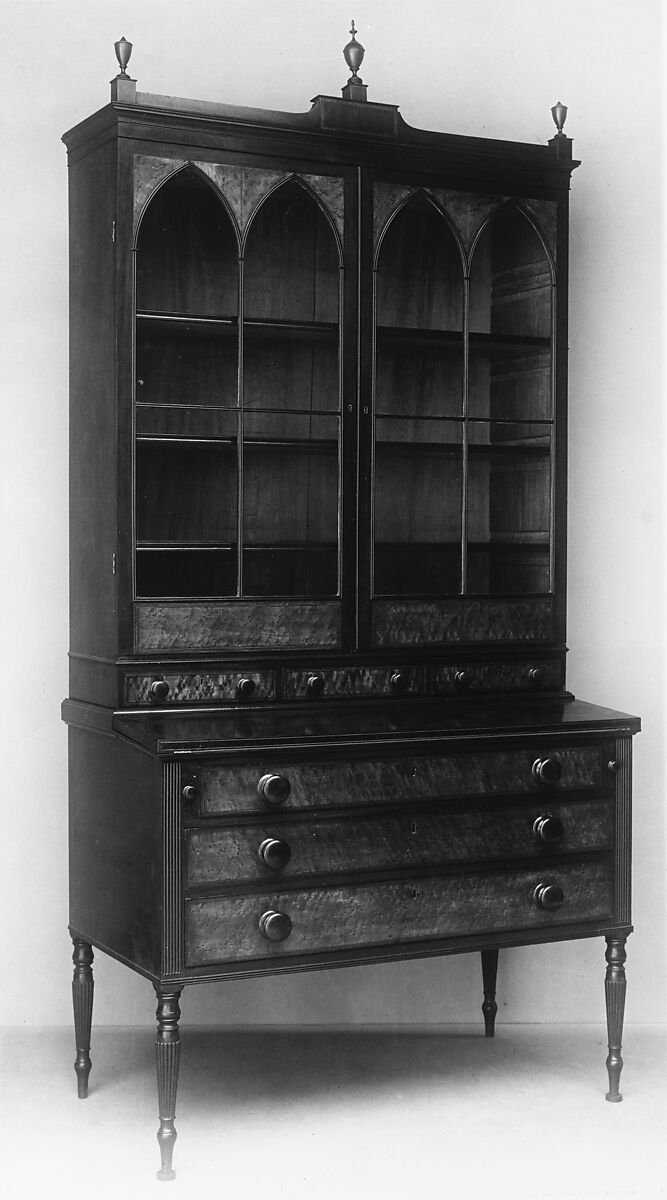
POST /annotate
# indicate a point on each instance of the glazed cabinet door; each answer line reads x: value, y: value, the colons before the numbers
x: 462, y: 431
x: 240, y: 292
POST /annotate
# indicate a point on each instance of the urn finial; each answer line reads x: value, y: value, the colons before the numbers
x: 355, y: 88
x: 559, y: 114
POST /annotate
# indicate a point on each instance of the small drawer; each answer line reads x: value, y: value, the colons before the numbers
x: 295, y: 849
x: 334, y: 682
x: 279, y: 924
x: 502, y: 677
x: 334, y: 784
x: 226, y: 687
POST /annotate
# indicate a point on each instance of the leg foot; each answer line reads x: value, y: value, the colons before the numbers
x: 167, y: 1054
x: 489, y: 1007
x: 614, y: 989
x: 82, y: 998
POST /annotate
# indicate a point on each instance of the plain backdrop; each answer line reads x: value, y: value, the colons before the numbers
x: 462, y: 66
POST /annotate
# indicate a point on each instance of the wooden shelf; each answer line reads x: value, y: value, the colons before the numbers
x: 181, y: 321
x: 508, y: 344
x: 229, y: 324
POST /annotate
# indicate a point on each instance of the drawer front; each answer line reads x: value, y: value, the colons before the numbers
x: 214, y: 688
x: 506, y: 677
x: 227, y: 929
x: 334, y: 682
x: 247, y: 854
x: 226, y: 790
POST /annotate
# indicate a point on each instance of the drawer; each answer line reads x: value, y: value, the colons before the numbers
x: 214, y: 688
x: 229, y: 929
x: 287, y: 786
x: 503, y: 676
x: 293, y: 849
x: 328, y: 683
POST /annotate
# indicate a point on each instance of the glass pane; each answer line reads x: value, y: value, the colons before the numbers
x: 291, y: 270
x: 187, y: 256
x: 510, y: 322
x: 294, y: 369
x: 184, y: 363
x: 509, y: 507
x: 171, y: 421
x: 420, y: 274
x: 506, y: 384
x: 418, y: 379
x: 186, y: 492
x: 291, y: 400
x: 210, y: 572
x: 417, y: 496
x: 418, y: 493
x: 290, y: 517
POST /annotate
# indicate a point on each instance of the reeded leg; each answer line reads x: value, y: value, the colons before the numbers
x: 489, y: 973
x: 614, y: 989
x: 82, y: 998
x: 167, y: 1053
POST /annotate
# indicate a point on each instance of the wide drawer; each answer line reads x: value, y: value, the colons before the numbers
x: 298, y: 848
x: 217, y: 790
x: 229, y: 929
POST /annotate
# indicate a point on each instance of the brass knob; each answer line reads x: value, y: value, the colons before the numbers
x: 274, y: 853
x: 275, y: 926
x: 274, y: 788
x: 245, y: 688
x: 159, y: 689
x: 190, y: 792
x: 400, y: 681
x: 315, y: 685
x: 548, y: 896
x: 536, y: 676
x: 547, y: 771
x: 613, y: 766
x: 548, y: 829
x: 462, y: 680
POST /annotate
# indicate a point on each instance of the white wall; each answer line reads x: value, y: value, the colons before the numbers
x: 463, y: 66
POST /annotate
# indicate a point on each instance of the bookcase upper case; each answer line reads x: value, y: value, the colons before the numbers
x: 332, y: 416
x: 318, y: 710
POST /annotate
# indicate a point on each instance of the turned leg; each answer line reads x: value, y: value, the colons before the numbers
x: 167, y: 1053
x: 82, y: 998
x: 614, y: 990
x: 489, y: 973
